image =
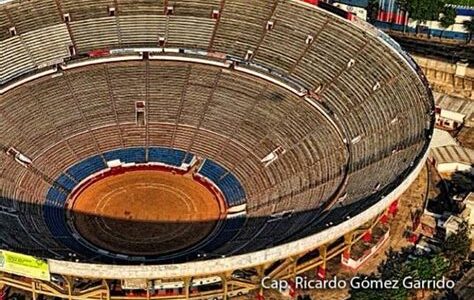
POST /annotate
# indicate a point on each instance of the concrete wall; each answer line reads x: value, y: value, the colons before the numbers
x: 448, y: 78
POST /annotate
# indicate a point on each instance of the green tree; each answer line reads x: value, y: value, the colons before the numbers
x: 420, y: 267
x: 469, y: 26
x: 422, y: 10
x: 398, y: 266
x: 403, y: 4
x: 427, y: 268
x: 365, y: 294
x: 372, y: 10
x: 375, y: 294
x: 361, y: 294
x: 461, y: 2
x: 448, y: 18
x: 394, y: 266
x: 457, y: 245
x: 440, y: 265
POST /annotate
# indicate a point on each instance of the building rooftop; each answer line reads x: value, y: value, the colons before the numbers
x: 442, y: 138
x: 453, y: 154
x: 456, y: 104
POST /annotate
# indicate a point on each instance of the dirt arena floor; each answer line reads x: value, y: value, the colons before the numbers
x: 145, y: 212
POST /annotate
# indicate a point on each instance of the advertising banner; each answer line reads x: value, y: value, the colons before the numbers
x: 24, y: 265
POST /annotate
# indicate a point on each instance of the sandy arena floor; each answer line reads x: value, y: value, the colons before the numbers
x: 145, y: 212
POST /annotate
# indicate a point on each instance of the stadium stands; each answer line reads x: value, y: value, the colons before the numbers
x: 48, y: 46
x: 91, y: 34
x: 227, y: 183
x: 15, y: 59
x: 88, y: 9
x: 86, y: 167
x: 4, y: 24
x: 71, y: 123
x: 227, y: 232
x: 58, y: 192
x: 167, y: 156
x: 31, y: 15
x: 129, y: 155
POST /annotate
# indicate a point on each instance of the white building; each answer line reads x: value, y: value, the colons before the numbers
x: 360, y: 12
x: 458, y: 25
x: 452, y: 158
x: 452, y: 224
x: 452, y: 112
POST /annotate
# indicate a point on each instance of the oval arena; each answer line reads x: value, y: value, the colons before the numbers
x: 145, y: 210
x: 186, y: 149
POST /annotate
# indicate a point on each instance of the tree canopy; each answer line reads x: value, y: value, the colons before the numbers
x: 422, y: 10
x: 372, y: 10
x: 399, y: 265
x: 458, y: 245
x: 460, y: 2
x: 448, y: 16
x: 469, y: 26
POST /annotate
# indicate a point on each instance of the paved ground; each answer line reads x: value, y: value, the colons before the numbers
x: 145, y: 212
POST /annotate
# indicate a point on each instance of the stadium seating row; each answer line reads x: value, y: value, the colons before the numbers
x: 227, y: 182
x: 240, y: 115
